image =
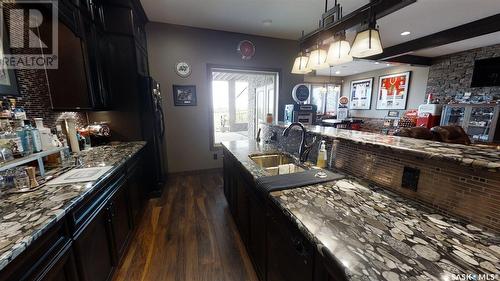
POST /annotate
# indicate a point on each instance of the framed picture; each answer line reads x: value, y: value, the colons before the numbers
x: 361, y: 93
x: 8, y: 80
x: 393, y: 91
x: 184, y: 95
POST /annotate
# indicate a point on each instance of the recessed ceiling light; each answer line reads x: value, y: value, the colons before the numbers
x: 267, y: 22
x: 377, y: 62
x: 337, y: 72
x: 388, y: 64
x: 405, y: 33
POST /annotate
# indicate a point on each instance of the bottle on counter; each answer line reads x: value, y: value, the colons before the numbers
x: 322, y: 155
x: 45, y: 134
x: 35, y: 135
x: 25, y: 137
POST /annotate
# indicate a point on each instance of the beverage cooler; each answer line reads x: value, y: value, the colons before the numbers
x: 479, y: 121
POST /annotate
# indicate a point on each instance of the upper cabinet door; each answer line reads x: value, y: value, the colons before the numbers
x: 68, y: 83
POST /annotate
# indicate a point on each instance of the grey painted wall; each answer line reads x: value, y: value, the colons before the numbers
x: 187, y: 136
x: 416, y: 96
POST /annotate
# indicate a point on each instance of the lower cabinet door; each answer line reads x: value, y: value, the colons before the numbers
x: 64, y: 269
x: 289, y: 255
x: 257, y: 243
x: 93, y: 248
x: 120, y: 222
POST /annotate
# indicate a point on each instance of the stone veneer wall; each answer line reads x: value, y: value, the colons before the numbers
x: 34, y: 93
x: 450, y: 76
x: 464, y: 192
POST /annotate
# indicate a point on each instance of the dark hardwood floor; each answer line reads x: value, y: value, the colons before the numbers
x: 188, y: 234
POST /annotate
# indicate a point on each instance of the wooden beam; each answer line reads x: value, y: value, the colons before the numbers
x: 466, y: 31
x: 381, y: 9
x: 411, y: 59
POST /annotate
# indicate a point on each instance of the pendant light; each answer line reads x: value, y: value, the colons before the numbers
x: 300, y: 63
x: 317, y: 59
x: 338, y: 53
x: 367, y: 42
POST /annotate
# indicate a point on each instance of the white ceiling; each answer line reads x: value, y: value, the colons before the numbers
x: 290, y: 17
x: 354, y: 67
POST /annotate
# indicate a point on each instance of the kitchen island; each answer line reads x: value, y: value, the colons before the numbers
x: 351, y: 228
x: 66, y: 230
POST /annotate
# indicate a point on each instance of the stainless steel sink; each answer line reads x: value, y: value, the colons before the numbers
x: 277, y: 163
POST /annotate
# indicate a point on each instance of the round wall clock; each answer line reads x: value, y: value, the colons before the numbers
x: 183, y: 69
x: 246, y: 49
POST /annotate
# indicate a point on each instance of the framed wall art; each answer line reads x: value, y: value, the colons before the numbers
x: 184, y: 95
x: 361, y: 93
x: 393, y: 91
x: 8, y: 80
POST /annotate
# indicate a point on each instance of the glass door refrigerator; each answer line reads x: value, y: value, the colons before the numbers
x: 479, y: 121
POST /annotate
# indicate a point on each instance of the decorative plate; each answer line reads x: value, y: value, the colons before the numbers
x: 183, y: 69
x: 246, y: 49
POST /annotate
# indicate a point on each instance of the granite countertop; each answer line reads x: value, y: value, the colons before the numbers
x: 25, y: 217
x: 377, y: 235
x: 481, y: 156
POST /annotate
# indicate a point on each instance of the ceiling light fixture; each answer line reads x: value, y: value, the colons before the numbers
x: 300, y: 63
x: 405, y: 33
x: 317, y: 59
x: 338, y: 53
x: 367, y: 42
x: 267, y: 22
x: 337, y: 72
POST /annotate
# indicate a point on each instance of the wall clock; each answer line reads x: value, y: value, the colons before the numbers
x: 183, y: 69
x: 246, y: 49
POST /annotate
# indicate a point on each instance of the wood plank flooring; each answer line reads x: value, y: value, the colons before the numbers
x: 188, y: 234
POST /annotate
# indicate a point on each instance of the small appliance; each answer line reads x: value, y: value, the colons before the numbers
x: 429, y: 115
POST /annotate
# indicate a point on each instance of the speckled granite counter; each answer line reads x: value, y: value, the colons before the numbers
x: 25, y: 217
x: 475, y: 156
x: 376, y: 234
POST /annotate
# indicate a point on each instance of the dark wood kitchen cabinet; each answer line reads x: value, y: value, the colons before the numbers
x: 277, y: 248
x: 50, y: 259
x: 290, y: 255
x: 93, y: 248
x: 101, y: 52
x: 121, y: 223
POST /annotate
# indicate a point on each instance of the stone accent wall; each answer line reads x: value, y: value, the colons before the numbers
x: 450, y: 76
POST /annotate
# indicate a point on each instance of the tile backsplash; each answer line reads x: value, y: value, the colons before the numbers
x: 469, y: 193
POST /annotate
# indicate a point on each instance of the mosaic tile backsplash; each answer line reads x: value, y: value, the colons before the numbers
x: 464, y: 191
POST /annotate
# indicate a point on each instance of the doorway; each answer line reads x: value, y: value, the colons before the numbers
x: 241, y: 99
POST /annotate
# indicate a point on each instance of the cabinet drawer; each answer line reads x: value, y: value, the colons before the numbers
x: 40, y: 256
x: 85, y: 212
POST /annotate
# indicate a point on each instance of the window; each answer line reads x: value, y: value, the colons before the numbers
x: 241, y: 101
x: 325, y: 97
x: 220, y: 94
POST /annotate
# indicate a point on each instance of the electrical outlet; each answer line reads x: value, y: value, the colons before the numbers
x: 410, y: 178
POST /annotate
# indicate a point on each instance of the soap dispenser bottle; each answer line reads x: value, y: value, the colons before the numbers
x: 322, y: 156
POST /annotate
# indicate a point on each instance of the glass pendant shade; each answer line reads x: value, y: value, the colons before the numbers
x: 367, y: 43
x: 300, y: 65
x: 338, y: 53
x: 317, y: 59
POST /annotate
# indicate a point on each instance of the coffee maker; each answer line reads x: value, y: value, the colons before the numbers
x: 302, y: 111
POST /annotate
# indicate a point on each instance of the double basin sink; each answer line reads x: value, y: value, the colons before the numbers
x: 278, y: 163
